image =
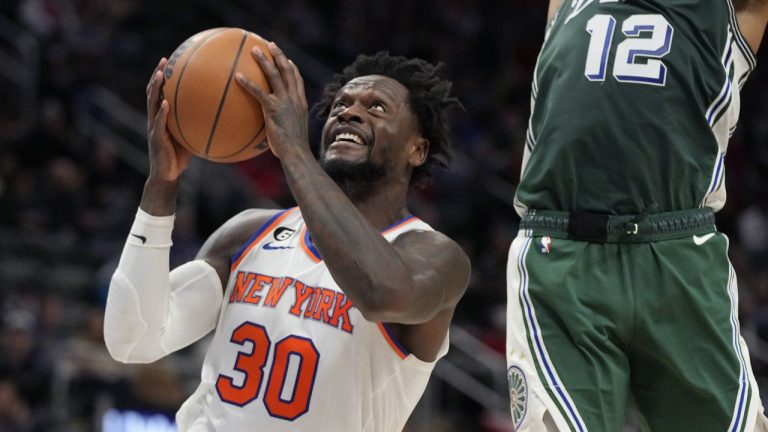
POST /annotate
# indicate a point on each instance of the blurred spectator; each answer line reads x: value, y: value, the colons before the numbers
x: 47, y: 18
x: 15, y: 415
x: 26, y: 364
x: 158, y: 387
x: 91, y: 372
x: 753, y: 233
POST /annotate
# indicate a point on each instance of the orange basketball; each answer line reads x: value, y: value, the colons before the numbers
x: 210, y: 113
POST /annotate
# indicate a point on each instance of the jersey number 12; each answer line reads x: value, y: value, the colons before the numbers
x: 628, y: 65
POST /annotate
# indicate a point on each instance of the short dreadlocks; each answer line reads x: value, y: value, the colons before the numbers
x: 428, y: 95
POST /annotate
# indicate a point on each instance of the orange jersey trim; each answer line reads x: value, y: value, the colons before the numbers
x: 393, y: 343
x: 314, y: 255
x: 260, y: 234
x: 405, y: 221
x: 309, y: 248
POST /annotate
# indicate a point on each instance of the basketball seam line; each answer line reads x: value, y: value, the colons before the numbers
x: 243, y: 148
x: 178, y: 86
x: 224, y: 95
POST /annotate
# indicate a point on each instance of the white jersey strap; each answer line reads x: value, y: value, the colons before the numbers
x: 408, y: 223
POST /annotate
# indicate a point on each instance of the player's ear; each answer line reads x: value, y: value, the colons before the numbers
x: 419, y: 151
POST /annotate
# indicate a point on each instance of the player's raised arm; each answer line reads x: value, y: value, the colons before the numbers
x: 167, y: 159
x: 752, y: 16
x: 151, y: 312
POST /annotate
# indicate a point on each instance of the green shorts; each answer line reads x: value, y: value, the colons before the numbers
x: 646, y: 315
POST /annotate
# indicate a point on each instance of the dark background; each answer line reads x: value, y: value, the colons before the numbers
x: 72, y: 165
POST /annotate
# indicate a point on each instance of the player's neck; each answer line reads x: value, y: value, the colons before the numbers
x: 384, y: 205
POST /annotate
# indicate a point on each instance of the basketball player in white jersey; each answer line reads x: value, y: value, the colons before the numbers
x: 329, y: 316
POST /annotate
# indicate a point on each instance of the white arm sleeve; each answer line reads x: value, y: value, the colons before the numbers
x: 151, y: 313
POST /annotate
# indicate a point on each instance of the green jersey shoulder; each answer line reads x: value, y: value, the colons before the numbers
x: 633, y: 102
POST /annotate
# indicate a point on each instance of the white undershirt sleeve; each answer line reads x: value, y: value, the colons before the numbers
x: 150, y: 312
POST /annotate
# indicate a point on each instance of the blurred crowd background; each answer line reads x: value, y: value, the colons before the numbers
x: 72, y: 166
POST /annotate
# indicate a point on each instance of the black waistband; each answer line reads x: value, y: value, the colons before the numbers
x: 601, y: 228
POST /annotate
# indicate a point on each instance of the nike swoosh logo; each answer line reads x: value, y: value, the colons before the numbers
x: 269, y: 246
x: 142, y: 238
x: 700, y: 240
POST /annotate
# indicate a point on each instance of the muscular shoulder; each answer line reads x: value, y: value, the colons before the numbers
x: 442, y: 255
x: 423, y: 238
x: 219, y: 248
x: 433, y: 255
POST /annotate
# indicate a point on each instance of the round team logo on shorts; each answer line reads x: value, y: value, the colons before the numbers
x: 518, y: 394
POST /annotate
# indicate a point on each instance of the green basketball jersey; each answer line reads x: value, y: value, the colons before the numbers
x: 633, y: 103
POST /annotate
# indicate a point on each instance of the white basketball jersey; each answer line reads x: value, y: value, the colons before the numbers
x: 292, y: 353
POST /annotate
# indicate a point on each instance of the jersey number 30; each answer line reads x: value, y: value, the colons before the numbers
x: 304, y: 368
x: 628, y: 65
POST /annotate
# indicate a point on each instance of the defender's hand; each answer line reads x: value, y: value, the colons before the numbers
x: 285, y: 109
x: 167, y: 158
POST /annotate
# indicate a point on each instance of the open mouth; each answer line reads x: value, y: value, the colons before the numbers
x: 349, y: 137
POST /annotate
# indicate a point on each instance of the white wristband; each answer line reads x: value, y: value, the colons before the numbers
x: 151, y: 231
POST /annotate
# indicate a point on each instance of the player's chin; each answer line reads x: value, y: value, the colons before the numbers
x: 344, y: 155
x: 335, y: 162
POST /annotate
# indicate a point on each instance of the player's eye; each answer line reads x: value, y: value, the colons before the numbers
x: 379, y: 106
x: 339, y: 105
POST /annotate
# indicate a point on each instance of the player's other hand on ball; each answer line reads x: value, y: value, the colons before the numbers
x: 167, y: 158
x: 285, y: 109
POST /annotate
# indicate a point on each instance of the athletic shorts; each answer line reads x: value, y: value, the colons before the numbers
x: 648, y: 319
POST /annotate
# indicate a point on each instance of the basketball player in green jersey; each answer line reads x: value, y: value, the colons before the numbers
x: 620, y: 291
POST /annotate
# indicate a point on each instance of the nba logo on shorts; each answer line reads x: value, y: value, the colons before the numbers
x: 518, y: 394
x: 545, y: 245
